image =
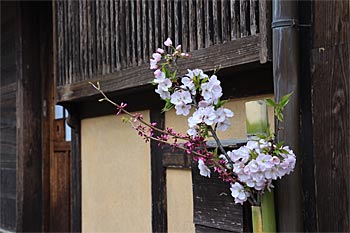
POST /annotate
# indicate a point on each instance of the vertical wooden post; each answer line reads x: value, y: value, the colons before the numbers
x: 158, y: 178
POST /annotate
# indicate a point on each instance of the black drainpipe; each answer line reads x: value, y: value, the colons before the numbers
x: 285, y: 43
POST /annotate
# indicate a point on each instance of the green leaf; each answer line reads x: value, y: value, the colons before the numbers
x: 168, y: 105
x: 270, y: 102
x: 285, y: 100
x: 279, y: 116
x: 280, y: 144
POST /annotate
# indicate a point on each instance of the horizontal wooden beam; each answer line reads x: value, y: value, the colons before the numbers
x: 233, y: 53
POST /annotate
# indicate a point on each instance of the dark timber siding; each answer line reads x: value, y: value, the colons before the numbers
x: 101, y: 37
x: 8, y: 117
x: 330, y: 93
x: 112, y: 41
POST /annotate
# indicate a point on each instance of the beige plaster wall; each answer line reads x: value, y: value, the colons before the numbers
x: 116, y: 181
x: 238, y: 127
x: 179, y: 200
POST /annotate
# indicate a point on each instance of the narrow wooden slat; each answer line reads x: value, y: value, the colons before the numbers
x: 112, y: 35
x: 216, y: 34
x: 234, y: 19
x: 157, y: 24
x: 225, y: 20
x: 82, y: 73
x: 70, y: 41
x: 207, y: 28
x: 192, y: 25
x: 177, y: 17
x: 98, y: 37
x: 117, y: 22
x: 243, y: 17
x: 151, y: 39
x: 104, y: 37
x: 253, y: 17
x: 139, y: 44
x: 133, y: 32
x: 94, y: 36
x: 171, y: 28
x: 127, y: 33
x: 200, y: 24
x: 123, y: 34
x: 165, y: 18
x: 60, y: 49
x: 79, y: 47
x: 145, y: 31
x: 89, y: 38
x: 265, y: 8
x: 107, y: 38
x: 185, y: 25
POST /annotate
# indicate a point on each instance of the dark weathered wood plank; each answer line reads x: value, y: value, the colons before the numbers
x: 107, y: 38
x: 145, y: 31
x: 112, y: 32
x: 200, y: 23
x: 117, y: 21
x: 331, y: 141
x: 133, y: 38
x: 165, y: 19
x: 98, y: 37
x: 331, y: 15
x: 185, y: 25
x: 123, y: 34
x: 213, y: 204
x: 265, y: 9
x: 158, y: 178
x: 151, y: 39
x: 207, y: 28
x: 177, y: 25
x: 29, y: 107
x: 172, y: 30
x: 225, y: 20
x: 253, y: 17
x: 192, y: 25
x: 245, y: 50
x: 243, y: 14
x: 157, y: 24
x: 234, y: 13
x: 216, y: 32
x: 139, y: 44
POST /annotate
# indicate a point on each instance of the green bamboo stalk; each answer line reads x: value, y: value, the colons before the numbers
x: 268, y: 212
x: 257, y: 219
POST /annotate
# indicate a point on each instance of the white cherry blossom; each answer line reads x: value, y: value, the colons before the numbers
x: 203, y: 169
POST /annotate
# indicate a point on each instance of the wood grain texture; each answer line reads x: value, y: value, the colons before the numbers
x: 213, y: 204
x: 233, y: 53
x: 331, y: 23
x: 158, y: 178
x: 29, y: 107
x: 265, y: 11
x: 331, y: 144
x: 102, y: 37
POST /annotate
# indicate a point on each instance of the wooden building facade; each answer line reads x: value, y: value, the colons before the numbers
x: 106, y: 179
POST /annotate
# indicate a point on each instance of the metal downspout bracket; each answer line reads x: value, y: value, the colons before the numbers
x: 285, y: 42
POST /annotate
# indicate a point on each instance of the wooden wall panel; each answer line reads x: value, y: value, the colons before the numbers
x: 331, y: 136
x: 330, y: 101
x: 8, y: 139
x: 103, y: 32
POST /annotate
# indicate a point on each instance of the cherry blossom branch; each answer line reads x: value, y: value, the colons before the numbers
x: 138, y: 118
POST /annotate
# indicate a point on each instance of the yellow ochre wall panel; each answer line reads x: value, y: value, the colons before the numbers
x: 179, y: 200
x: 116, y: 177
